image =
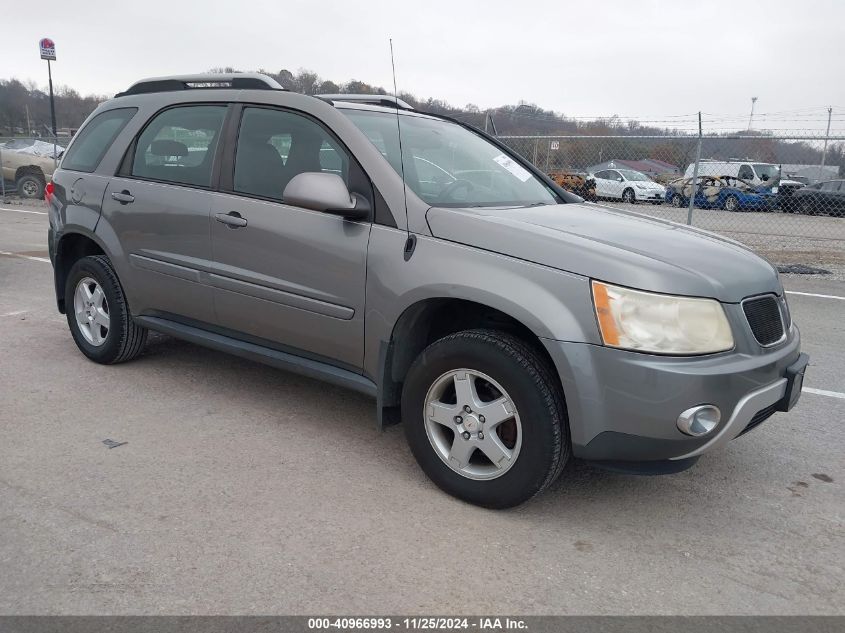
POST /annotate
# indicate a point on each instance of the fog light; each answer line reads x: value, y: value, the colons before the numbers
x: 699, y: 420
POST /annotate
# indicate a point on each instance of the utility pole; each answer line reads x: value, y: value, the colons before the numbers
x: 824, y: 150
x: 694, y: 183
x: 28, y: 122
x: 751, y: 118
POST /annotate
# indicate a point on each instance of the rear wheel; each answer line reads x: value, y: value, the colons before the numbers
x: 30, y: 186
x: 677, y: 201
x: 485, y: 418
x: 98, y: 315
x: 731, y: 203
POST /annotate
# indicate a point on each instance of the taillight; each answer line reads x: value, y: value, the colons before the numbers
x: 48, y: 191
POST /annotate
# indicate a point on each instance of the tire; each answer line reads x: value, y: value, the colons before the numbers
x: 536, y: 433
x: 731, y: 204
x: 629, y: 197
x: 808, y: 207
x: 30, y: 186
x: 677, y: 201
x: 121, y: 340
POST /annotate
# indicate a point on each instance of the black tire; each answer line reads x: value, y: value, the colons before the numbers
x: 677, y: 201
x: 30, y: 186
x: 808, y: 207
x: 629, y: 197
x: 125, y: 340
x: 731, y: 204
x: 537, y: 396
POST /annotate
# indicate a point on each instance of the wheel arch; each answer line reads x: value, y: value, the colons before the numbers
x: 428, y: 320
x: 30, y: 170
x: 71, y: 247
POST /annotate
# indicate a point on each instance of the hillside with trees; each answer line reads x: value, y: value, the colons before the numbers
x: 25, y: 111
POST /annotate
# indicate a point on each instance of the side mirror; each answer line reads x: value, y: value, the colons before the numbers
x: 620, y: 179
x: 321, y: 191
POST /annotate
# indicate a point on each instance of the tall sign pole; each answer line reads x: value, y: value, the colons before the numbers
x: 48, y: 52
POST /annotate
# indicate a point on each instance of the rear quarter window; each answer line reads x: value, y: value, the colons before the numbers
x: 93, y: 141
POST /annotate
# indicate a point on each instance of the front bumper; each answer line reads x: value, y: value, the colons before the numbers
x: 623, y: 406
x: 657, y: 195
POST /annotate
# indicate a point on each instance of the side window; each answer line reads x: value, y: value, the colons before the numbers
x: 745, y: 172
x: 604, y: 175
x: 179, y: 144
x: 275, y: 145
x: 832, y: 185
x: 93, y: 141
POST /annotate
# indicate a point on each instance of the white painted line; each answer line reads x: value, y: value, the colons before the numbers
x: 30, y: 257
x: 823, y: 392
x: 23, y: 211
x: 15, y: 313
x: 811, y: 294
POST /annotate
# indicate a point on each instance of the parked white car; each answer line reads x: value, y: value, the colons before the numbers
x: 629, y: 186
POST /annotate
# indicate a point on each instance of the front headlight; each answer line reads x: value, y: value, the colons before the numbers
x: 662, y: 324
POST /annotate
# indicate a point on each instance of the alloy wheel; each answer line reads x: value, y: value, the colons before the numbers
x: 92, y: 311
x: 472, y: 424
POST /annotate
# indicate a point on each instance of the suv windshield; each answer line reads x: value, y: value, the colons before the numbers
x: 449, y: 166
x: 771, y: 172
x: 634, y: 175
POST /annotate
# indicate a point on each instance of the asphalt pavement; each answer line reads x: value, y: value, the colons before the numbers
x: 189, y: 482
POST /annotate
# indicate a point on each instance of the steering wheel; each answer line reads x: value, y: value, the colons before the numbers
x: 453, y: 187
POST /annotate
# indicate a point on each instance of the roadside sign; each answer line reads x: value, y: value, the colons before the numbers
x: 555, y: 145
x: 48, y: 49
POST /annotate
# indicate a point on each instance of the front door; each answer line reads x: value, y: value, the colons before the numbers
x: 282, y: 273
x: 159, y: 208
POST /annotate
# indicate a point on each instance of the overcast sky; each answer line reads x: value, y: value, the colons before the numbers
x: 636, y: 58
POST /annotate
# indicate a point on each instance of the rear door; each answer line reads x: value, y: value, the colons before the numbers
x: 603, y: 184
x: 282, y: 273
x: 159, y: 207
x: 615, y: 184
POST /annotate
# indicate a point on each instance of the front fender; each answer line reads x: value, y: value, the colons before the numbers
x: 552, y: 304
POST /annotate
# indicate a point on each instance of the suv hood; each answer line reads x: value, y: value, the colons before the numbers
x: 615, y: 246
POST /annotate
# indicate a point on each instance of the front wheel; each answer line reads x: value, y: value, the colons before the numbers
x: 485, y: 418
x: 677, y: 201
x: 628, y: 196
x: 731, y: 203
x: 98, y: 314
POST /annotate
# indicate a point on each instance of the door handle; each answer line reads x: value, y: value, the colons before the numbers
x: 124, y: 197
x: 232, y: 219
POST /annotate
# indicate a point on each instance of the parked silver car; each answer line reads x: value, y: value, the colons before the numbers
x: 506, y: 324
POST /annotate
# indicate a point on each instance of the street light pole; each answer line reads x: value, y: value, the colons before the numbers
x: 751, y: 117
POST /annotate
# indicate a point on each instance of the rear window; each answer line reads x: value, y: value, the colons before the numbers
x: 93, y: 141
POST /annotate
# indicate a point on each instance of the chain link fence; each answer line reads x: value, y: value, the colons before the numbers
x: 27, y: 163
x: 784, y: 196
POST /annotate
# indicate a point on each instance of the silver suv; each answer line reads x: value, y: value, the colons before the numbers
x: 413, y: 258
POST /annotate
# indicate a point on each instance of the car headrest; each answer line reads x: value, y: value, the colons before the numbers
x: 168, y: 148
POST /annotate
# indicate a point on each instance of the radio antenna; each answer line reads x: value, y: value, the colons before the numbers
x: 411, y: 241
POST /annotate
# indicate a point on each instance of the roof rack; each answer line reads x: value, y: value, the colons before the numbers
x: 204, y: 81
x: 380, y: 100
